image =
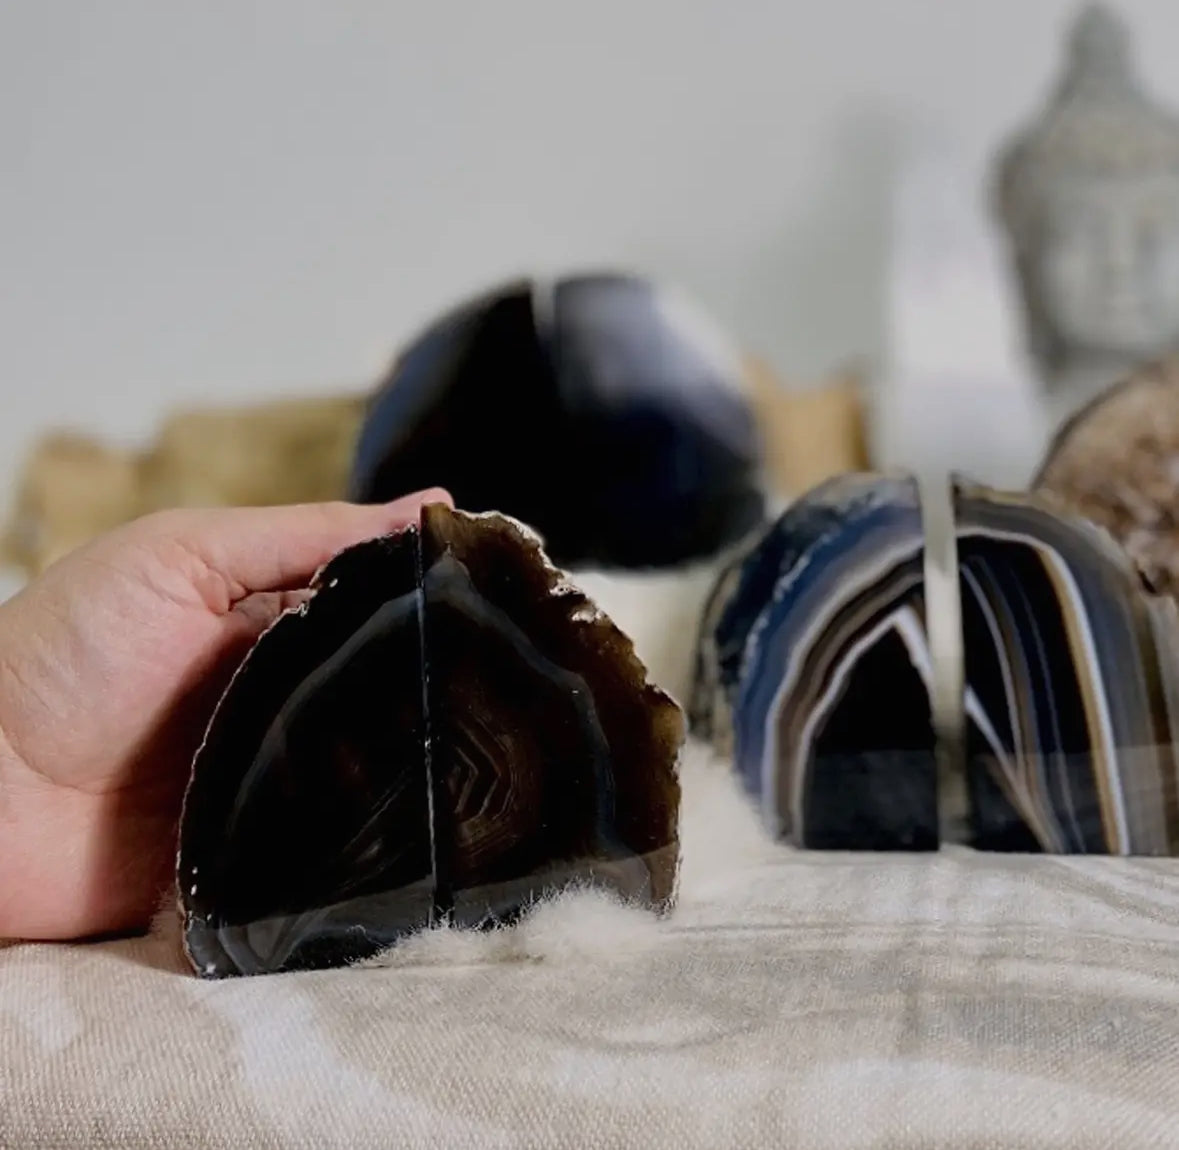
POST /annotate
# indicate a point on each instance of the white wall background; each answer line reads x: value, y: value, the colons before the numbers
x: 235, y: 199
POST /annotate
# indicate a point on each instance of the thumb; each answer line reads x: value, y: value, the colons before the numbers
x: 252, y: 549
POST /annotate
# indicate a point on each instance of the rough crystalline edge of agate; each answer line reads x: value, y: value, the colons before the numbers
x: 587, y: 612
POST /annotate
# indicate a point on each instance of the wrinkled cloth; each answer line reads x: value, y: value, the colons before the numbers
x: 803, y: 1000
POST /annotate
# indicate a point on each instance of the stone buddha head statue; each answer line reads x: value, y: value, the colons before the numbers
x: 1089, y: 198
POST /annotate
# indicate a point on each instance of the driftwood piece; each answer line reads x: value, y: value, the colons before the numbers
x: 298, y: 450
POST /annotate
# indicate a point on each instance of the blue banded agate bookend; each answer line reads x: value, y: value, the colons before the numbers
x: 815, y: 673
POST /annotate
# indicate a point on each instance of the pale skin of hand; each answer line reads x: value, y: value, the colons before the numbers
x: 111, y: 663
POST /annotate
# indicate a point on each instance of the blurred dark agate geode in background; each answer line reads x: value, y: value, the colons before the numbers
x: 447, y: 730
x: 601, y: 410
x: 820, y: 693
x: 816, y: 673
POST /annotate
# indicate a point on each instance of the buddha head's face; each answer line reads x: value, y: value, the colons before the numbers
x: 1089, y: 194
x: 1107, y: 265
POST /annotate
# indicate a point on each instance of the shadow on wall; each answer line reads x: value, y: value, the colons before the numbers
x: 810, y: 297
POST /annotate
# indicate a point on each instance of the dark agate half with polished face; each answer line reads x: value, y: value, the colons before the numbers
x: 598, y: 409
x: 1072, y: 685
x: 817, y: 673
x: 447, y: 731
x: 820, y: 659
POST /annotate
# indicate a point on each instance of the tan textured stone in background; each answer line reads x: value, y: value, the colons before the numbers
x: 1116, y: 462
x: 283, y: 451
x: 298, y: 450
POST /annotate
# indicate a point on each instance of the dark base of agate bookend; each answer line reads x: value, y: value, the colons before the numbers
x: 445, y: 732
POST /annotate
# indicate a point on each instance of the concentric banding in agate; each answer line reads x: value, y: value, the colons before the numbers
x: 1070, y: 681
x: 839, y: 570
x: 1071, y: 703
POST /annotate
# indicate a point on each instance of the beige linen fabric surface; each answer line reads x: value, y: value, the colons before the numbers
x: 792, y: 1000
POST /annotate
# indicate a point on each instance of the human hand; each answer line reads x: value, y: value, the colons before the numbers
x: 111, y: 663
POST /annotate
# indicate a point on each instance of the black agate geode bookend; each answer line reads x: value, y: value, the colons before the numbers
x: 446, y: 731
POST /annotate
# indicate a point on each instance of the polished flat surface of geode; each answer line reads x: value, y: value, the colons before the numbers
x: 446, y: 731
x: 601, y: 410
x: 820, y: 652
x: 1072, y: 675
x: 824, y: 677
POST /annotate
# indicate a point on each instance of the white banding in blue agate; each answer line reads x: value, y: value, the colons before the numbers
x: 876, y: 532
x: 943, y: 632
x: 1052, y: 674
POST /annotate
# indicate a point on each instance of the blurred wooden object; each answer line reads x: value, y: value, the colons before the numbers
x: 71, y: 489
x: 288, y: 451
x: 299, y: 450
x: 811, y: 434
x: 284, y: 451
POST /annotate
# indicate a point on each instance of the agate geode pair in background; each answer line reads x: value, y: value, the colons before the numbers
x: 604, y: 410
x: 816, y: 673
x: 446, y: 731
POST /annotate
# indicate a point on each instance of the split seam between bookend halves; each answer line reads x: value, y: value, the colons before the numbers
x: 947, y: 652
